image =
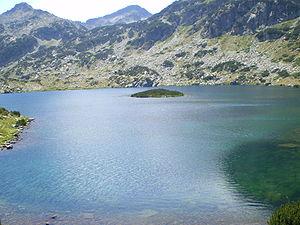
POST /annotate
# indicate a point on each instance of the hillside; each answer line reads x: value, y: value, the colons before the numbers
x: 127, y: 15
x: 189, y: 42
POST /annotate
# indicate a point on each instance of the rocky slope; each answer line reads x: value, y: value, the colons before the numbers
x: 127, y: 15
x: 189, y: 42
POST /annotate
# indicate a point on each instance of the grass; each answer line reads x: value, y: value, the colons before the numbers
x: 288, y: 214
x: 236, y: 43
x: 281, y: 50
x: 9, y: 124
x: 157, y: 93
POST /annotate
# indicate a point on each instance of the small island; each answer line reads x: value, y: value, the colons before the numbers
x: 157, y: 93
x: 11, y: 125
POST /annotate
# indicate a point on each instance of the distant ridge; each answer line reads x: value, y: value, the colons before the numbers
x: 129, y: 14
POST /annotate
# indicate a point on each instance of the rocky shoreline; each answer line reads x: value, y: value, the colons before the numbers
x: 17, y: 136
x: 179, y: 84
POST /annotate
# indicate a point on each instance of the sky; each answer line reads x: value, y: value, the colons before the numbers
x: 81, y: 10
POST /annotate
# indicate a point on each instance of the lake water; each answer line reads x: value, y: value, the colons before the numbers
x: 219, y: 155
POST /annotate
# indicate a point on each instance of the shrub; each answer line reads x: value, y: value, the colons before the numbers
x: 246, y: 69
x: 297, y: 61
x: 4, y: 112
x: 16, y: 113
x: 283, y: 73
x: 21, y: 123
x: 168, y: 64
x: 104, y: 54
x: 265, y: 73
x: 202, y: 53
x: 288, y: 214
x: 270, y: 33
x: 229, y: 66
x: 296, y: 74
x: 199, y: 63
x: 181, y: 54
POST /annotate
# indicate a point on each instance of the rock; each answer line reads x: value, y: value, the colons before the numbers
x: 234, y: 83
x: 53, y: 217
x: 9, y: 146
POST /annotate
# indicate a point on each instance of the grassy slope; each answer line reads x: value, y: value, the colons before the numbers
x: 9, y: 125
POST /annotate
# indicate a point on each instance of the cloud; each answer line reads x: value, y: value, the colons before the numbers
x: 86, y: 9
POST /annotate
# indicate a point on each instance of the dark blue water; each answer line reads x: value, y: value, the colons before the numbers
x: 102, y: 152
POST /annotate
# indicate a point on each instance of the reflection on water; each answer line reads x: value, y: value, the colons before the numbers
x: 268, y: 170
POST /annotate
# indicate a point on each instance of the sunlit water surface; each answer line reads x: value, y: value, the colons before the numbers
x: 99, y: 156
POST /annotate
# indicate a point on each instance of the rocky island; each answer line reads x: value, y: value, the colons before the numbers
x: 157, y: 93
x: 11, y: 125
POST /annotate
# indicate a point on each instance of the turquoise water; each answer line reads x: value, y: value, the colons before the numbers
x: 101, y: 156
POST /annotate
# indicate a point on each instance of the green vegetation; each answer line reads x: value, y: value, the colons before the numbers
x: 137, y: 70
x: 21, y: 122
x: 9, y: 124
x: 283, y: 73
x: 16, y: 113
x: 290, y: 29
x: 202, y: 53
x: 168, y: 64
x: 157, y: 93
x: 288, y: 214
x: 296, y: 74
x: 265, y: 73
x: 281, y: 50
x: 181, y: 54
x: 236, y: 43
x: 229, y: 66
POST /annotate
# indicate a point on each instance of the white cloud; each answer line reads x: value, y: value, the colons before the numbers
x: 86, y: 9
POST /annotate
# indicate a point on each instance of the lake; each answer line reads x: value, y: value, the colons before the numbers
x: 219, y: 155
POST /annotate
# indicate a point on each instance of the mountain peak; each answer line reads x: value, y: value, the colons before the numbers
x: 129, y: 14
x: 134, y: 7
x: 22, y: 6
x: 128, y: 9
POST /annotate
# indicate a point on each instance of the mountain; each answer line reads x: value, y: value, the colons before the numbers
x: 127, y: 15
x: 190, y: 42
x: 24, y: 28
x: 22, y: 19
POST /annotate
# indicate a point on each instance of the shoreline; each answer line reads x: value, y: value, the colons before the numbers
x: 4, y: 92
x: 9, y: 144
